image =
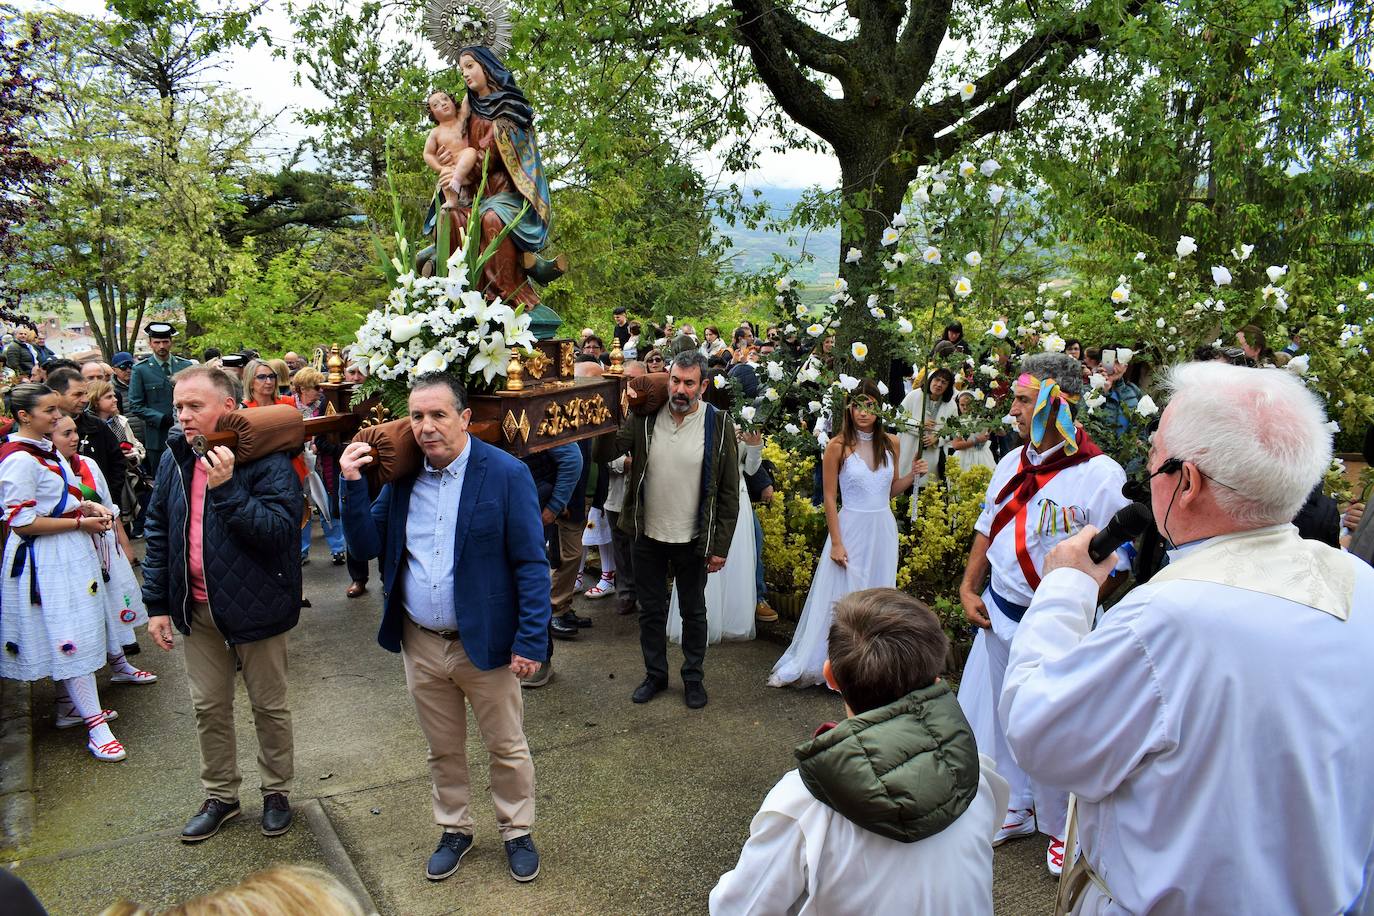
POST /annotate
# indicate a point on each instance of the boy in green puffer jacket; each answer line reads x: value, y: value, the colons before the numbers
x: 890, y: 811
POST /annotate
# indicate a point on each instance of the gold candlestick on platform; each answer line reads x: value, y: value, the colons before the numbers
x: 335, y: 365
x: 515, y: 372
x: 617, y: 365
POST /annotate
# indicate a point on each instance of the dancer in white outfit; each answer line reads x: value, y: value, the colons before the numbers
x: 860, y: 552
x: 54, y: 615
x: 730, y: 590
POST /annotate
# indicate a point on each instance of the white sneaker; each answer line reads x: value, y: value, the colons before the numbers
x: 1018, y: 822
x: 1054, y: 857
x: 73, y: 720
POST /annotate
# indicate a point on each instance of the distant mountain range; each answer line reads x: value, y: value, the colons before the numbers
x: 755, y: 249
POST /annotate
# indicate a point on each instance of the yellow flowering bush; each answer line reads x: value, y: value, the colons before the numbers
x: 793, y: 529
x: 935, y: 550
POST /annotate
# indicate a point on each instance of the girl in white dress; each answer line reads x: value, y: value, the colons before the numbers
x: 730, y: 590
x: 53, y: 620
x: 120, y: 589
x: 976, y: 450
x: 935, y: 398
x: 859, y: 466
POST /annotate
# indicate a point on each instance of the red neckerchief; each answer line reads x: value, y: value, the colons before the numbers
x: 1024, y: 484
x: 83, y: 471
x: 50, y: 460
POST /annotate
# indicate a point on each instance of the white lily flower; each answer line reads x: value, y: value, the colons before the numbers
x: 848, y: 382
x: 931, y: 255
x: 998, y: 330
x: 859, y: 350
x: 491, y: 359
x: 404, y: 327
x: 1275, y: 273
x: 989, y: 167
x: 904, y: 325
x: 747, y: 412
x: 973, y: 259
x: 1243, y: 253
x: 1146, y: 406
x: 1221, y: 276
x: 433, y: 361
x: 966, y: 169
x: 995, y: 193
x: 962, y: 287
x: 1121, y: 294
x: 967, y: 90
x: 1186, y: 246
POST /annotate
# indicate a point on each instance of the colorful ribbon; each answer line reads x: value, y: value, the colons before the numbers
x: 1052, y: 405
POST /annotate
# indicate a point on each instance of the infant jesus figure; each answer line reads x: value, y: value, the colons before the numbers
x: 447, y: 150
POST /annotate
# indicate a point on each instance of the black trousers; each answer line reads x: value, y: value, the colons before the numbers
x: 653, y: 560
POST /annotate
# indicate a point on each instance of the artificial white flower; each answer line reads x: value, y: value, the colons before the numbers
x: 1243, y: 253
x: 853, y: 255
x: 1340, y: 308
x: 1334, y: 427
x: 937, y: 188
x: 962, y: 287
x: 1159, y: 323
x: 1123, y: 315
x: 1140, y: 255
x: 882, y: 389
x: 1097, y: 380
x: 1029, y: 316
x: 989, y: 167
x: 1173, y: 274
x: 920, y: 196
x: 815, y: 330
x: 998, y: 329
x: 900, y: 257
x: 784, y: 284
x: 814, y: 406
x: 1123, y: 355
x: 720, y: 381
x: 966, y: 91
x: 859, y: 350
x: 973, y: 259
x: 1146, y: 406
x: 775, y: 371
x: 966, y: 169
x: 1221, y: 276
x: 802, y: 310
x: 1299, y: 364
x: 995, y: 193
x: 1275, y: 273
x: 1171, y: 348
x: 889, y: 266
x: 841, y: 285
x: 433, y: 361
x: 1053, y: 343
x: 771, y: 393
x: 747, y: 412
x: 1094, y: 401
x: 791, y: 428
x: 1362, y: 286
x: 877, y: 312
x: 904, y: 325
x: 899, y: 220
x: 931, y: 255
x: 990, y: 403
x: 848, y: 382
x: 1121, y: 294
x: 1186, y: 246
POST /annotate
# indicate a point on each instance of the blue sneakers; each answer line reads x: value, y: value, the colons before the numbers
x: 444, y: 862
x: 524, y: 858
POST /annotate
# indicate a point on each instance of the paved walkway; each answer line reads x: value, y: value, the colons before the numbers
x: 640, y: 807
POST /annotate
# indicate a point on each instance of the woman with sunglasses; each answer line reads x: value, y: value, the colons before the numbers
x: 654, y: 361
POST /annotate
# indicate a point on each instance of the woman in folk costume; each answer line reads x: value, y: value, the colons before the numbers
x: 860, y: 471
x: 53, y: 622
x: 120, y: 589
x: 974, y: 451
x: 1039, y: 495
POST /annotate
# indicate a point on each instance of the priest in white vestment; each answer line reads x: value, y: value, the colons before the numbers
x: 1215, y: 726
x: 1038, y: 496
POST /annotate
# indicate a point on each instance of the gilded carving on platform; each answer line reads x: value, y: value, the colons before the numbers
x: 511, y: 426
x: 574, y: 413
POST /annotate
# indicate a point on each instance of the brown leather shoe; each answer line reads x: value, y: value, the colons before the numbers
x: 356, y: 590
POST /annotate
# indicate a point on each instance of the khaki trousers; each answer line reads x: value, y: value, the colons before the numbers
x: 570, y: 559
x: 440, y: 677
x: 210, y: 669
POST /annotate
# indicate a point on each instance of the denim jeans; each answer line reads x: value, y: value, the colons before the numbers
x: 333, y: 535
x: 760, y: 588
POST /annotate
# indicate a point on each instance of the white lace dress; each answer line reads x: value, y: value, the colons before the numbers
x: 870, y: 538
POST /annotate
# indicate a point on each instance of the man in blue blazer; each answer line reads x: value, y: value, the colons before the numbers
x: 465, y: 582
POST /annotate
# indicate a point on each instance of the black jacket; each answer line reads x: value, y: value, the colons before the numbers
x: 251, y: 545
x: 99, y: 443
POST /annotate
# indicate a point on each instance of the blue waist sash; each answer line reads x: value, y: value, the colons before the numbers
x: 1014, y: 611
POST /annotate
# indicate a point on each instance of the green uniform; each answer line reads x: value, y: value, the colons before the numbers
x: 150, y: 397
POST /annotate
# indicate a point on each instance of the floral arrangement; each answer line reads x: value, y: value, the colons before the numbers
x: 437, y: 323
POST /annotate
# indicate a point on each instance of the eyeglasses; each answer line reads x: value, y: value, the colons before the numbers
x: 265, y: 378
x: 654, y: 359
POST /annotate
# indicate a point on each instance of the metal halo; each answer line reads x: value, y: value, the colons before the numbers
x: 452, y: 25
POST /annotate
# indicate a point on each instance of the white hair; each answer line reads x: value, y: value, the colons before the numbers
x: 1259, y: 432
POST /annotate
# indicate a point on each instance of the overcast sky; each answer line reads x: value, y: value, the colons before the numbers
x: 270, y: 82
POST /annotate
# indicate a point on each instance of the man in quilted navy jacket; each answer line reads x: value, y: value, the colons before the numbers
x: 221, y: 565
